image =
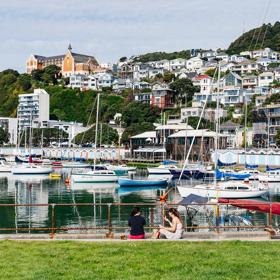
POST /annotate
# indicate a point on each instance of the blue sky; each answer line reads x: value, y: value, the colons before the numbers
x: 109, y: 29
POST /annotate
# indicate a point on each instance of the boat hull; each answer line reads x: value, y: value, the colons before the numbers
x: 94, y: 178
x: 124, y: 182
x: 212, y: 193
x: 31, y: 171
x: 159, y: 171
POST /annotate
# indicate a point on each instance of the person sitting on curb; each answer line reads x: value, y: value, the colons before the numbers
x: 136, y: 223
x: 175, y: 231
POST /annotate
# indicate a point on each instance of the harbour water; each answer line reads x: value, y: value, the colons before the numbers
x: 42, y: 190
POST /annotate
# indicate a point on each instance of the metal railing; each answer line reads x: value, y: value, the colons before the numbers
x: 154, y: 221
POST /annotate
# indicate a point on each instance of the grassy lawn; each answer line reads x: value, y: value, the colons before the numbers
x: 139, y: 260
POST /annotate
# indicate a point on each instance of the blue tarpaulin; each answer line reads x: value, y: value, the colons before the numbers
x: 220, y: 163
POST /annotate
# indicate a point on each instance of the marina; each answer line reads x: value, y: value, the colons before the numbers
x: 42, y: 204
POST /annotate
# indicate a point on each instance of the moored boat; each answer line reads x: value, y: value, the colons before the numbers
x: 75, y: 165
x: 96, y: 176
x: 272, y: 176
x: 31, y: 169
x: 230, y: 189
x: 126, y: 182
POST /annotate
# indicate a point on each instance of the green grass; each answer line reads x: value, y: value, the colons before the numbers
x: 139, y: 260
x: 142, y: 164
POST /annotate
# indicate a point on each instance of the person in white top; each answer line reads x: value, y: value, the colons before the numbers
x: 175, y: 231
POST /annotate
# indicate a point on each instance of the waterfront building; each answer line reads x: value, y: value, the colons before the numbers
x: 266, y: 124
x: 204, y: 143
x: 10, y: 125
x: 231, y: 130
x: 33, y: 109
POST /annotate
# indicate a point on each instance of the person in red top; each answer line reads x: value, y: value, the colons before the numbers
x: 136, y: 223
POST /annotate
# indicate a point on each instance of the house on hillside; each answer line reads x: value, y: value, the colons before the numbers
x: 232, y: 89
x: 162, y: 96
x: 265, y: 79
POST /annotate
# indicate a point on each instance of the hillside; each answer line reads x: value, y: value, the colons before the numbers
x: 267, y: 35
x: 156, y: 56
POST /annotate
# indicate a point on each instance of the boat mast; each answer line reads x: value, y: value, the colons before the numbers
x: 217, y: 122
x: 96, y: 131
x: 245, y: 131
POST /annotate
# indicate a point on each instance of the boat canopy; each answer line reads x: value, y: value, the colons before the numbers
x: 237, y: 176
x: 169, y: 162
x: 271, y: 169
x: 251, y: 166
x: 220, y: 163
x: 193, y: 198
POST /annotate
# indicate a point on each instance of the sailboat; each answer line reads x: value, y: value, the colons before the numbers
x: 4, y: 166
x: 95, y: 176
x: 30, y: 169
x: 230, y: 189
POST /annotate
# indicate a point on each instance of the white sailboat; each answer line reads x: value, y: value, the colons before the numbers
x: 30, y: 169
x: 95, y: 176
x: 230, y: 189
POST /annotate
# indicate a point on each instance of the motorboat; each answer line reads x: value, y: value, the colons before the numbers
x: 95, y: 176
x: 4, y: 166
x: 126, y: 182
x: 120, y: 169
x: 272, y: 176
x: 30, y: 169
x: 229, y: 189
x: 162, y: 169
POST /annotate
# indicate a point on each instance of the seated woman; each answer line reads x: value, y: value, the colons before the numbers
x: 175, y: 231
x: 136, y: 223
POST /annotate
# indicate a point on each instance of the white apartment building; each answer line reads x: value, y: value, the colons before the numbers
x: 265, y: 79
x: 95, y: 82
x: 72, y: 128
x: 33, y: 109
x: 177, y: 63
x: 194, y: 64
x: 10, y: 125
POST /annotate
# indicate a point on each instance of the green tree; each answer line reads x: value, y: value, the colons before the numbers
x: 106, y: 134
x: 184, y: 90
x: 23, y: 82
x: 4, y: 136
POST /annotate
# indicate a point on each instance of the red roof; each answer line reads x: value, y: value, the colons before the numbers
x: 200, y: 77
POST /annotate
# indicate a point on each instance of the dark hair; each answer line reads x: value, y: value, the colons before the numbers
x: 135, y: 211
x: 176, y: 213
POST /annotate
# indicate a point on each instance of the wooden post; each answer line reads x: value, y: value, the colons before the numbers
x: 53, y: 231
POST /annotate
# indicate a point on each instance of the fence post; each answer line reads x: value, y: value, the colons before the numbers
x: 270, y: 214
x: 217, y: 218
x: 152, y: 217
x: 52, y: 234
x: 109, y: 218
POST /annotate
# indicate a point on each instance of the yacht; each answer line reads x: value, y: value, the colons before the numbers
x: 30, y: 169
x: 96, y: 176
x: 272, y: 176
x: 230, y: 189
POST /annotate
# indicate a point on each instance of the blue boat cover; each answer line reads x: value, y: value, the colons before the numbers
x: 236, y: 176
x: 167, y: 162
x: 271, y: 169
x: 251, y: 166
x: 220, y: 163
x: 193, y: 198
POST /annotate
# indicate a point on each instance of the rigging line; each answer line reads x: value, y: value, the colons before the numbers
x: 263, y: 21
x: 264, y: 36
x: 89, y: 118
x: 198, y: 124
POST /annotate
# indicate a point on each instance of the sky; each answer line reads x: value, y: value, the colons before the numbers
x: 110, y: 29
